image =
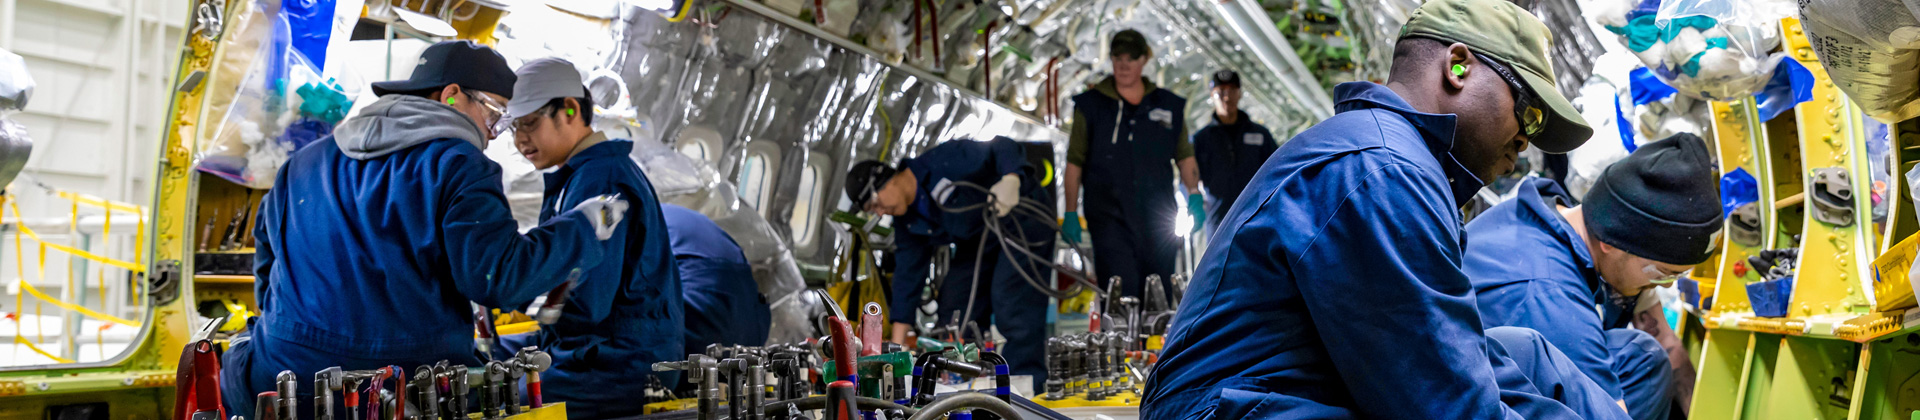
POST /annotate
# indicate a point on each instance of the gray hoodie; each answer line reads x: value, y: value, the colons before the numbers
x: 396, y: 122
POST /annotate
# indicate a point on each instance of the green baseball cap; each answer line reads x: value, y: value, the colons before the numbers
x: 1129, y: 42
x: 1509, y: 34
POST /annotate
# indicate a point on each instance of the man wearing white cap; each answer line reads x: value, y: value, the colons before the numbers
x: 620, y: 318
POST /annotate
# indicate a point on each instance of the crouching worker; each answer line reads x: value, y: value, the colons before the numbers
x: 1535, y: 263
x: 931, y: 209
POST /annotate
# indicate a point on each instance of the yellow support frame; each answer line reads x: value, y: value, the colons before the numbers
x: 1742, y: 145
x: 1835, y: 261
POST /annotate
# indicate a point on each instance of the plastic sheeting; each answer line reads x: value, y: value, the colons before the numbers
x: 1871, y: 49
x: 16, y: 87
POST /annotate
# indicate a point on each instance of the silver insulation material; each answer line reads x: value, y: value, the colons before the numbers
x: 750, y: 114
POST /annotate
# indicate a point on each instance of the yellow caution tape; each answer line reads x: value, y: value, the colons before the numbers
x: 76, y: 308
x: 36, y: 349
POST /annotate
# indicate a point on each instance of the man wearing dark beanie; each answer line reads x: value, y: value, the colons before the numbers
x: 1537, y: 264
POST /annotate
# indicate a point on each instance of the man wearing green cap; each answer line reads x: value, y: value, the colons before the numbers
x: 1126, y: 135
x: 1334, y: 289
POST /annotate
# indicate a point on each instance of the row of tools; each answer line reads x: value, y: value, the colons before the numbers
x: 736, y: 382
x: 238, y: 218
x: 435, y: 392
x: 1113, y: 356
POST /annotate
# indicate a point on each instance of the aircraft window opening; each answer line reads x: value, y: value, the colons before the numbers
x: 805, y: 206
x: 694, y: 149
x: 755, y: 171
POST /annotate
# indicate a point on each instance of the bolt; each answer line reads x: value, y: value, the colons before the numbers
x: 45, y: 386
x: 128, y: 381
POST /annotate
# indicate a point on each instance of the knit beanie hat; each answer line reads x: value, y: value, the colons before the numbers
x: 1662, y: 202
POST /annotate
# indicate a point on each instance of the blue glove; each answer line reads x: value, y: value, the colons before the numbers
x: 1070, y: 227
x: 1197, y: 205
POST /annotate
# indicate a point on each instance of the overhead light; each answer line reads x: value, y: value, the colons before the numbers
x: 674, y: 10
x: 429, y: 25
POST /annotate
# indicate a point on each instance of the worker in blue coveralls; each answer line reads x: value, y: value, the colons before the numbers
x: 1126, y: 137
x: 1538, y: 264
x: 723, y: 303
x: 1229, y: 150
x: 947, y: 196
x: 1333, y: 289
x: 372, y: 243
x: 625, y: 315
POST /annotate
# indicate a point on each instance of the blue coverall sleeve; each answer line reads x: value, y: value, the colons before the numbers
x: 1382, y: 282
x: 1565, y: 316
x: 492, y: 263
x: 912, y: 259
x: 263, y: 258
x: 595, y: 291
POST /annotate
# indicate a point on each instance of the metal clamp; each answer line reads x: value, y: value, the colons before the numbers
x: 1744, y: 227
x: 1832, y: 196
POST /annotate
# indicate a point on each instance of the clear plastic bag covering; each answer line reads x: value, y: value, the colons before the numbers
x: 15, y: 147
x: 693, y: 184
x: 1871, y: 49
x: 16, y: 86
x: 280, y: 104
x: 1707, y: 49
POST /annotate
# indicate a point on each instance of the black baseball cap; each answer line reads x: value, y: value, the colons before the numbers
x: 1224, y: 78
x: 865, y: 179
x: 1129, y: 42
x: 472, y: 66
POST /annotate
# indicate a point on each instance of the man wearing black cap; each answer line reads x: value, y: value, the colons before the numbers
x: 1230, y: 149
x: 1540, y: 265
x: 1333, y: 287
x: 947, y: 196
x: 372, y: 243
x: 1126, y: 136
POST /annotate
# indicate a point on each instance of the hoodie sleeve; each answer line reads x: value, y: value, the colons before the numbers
x: 493, y: 264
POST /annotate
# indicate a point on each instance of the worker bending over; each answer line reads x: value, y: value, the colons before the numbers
x: 723, y: 303
x: 622, y: 316
x: 931, y: 210
x: 1229, y: 150
x: 1333, y: 290
x: 1126, y: 136
x: 1537, y: 264
x: 372, y: 243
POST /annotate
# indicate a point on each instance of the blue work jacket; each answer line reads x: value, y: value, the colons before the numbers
x: 624, y: 315
x: 1531, y: 269
x: 378, y: 258
x: 723, y: 303
x: 1228, y: 155
x: 1333, y: 288
x: 926, y: 227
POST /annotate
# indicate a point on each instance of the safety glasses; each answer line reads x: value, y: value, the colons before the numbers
x: 496, y: 113
x: 1526, y: 108
x: 1658, y: 276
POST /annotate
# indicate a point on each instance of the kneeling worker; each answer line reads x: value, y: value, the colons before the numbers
x: 1539, y: 265
x: 1333, y: 291
x: 624, y: 315
x: 372, y: 242
x: 917, y: 193
x: 723, y: 302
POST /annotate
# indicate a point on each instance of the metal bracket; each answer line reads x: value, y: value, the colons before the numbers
x: 1744, y: 227
x: 163, y: 283
x: 1832, y: 196
x: 209, y: 19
